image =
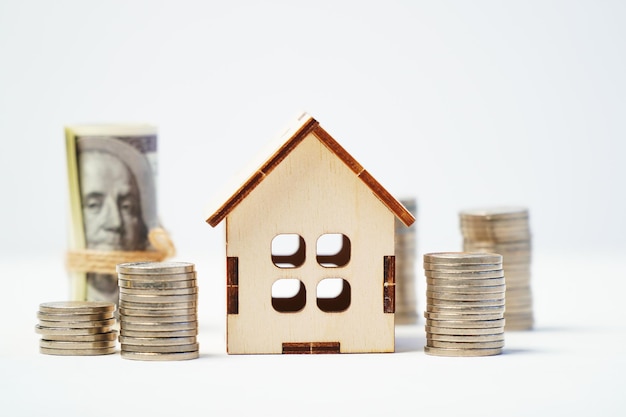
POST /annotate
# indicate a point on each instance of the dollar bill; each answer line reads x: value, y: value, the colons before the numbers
x: 112, y: 201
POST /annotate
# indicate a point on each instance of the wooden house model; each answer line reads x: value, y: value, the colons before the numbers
x: 309, y: 251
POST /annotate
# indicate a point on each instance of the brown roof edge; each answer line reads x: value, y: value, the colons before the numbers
x: 387, y: 199
x: 310, y: 125
x: 337, y: 149
x: 235, y: 199
x: 289, y: 145
x: 255, y: 179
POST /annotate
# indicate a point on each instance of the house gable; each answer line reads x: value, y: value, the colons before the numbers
x: 306, y: 126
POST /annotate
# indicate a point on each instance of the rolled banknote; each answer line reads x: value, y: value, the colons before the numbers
x: 113, y: 205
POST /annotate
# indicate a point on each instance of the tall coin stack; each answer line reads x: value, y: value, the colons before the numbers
x: 465, y: 295
x: 158, y: 311
x: 505, y: 231
x: 405, y: 253
x: 76, y: 328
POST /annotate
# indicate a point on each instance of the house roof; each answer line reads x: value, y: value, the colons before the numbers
x: 307, y: 125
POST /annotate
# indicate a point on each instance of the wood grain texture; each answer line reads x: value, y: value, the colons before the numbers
x: 267, y: 167
x: 310, y: 193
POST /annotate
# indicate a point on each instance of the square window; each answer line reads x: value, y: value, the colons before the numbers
x: 288, y: 250
x: 333, y: 250
x: 333, y: 295
x: 288, y: 295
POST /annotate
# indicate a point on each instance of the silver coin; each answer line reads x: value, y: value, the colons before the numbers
x: 522, y: 248
x: 519, y: 326
x: 139, y: 279
x: 75, y: 317
x: 77, y: 324
x: 484, y: 220
x: 50, y: 331
x: 147, y: 334
x: 155, y: 268
x: 525, y: 290
x: 76, y: 307
x: 518, y: 289
x: 496, y: 213
x: 458, y: 296
x: 488, y: 282
x: 158, y: 291
x: 461, y: 352
x: 465, y: 345
x: 158, y: 312
x: 499, y: 238
x: 521, y: 302
x: 462, y: 258
x: 193, y: 347
x: 496, y: 289
x: 110, y: 335
x: 512, y: 286
x: 446, y: 309
x: 518, y: 284
x: 491, y: 231
x: 163, y: 285
x: 465, y: 304
x: 159, y: 327
x: 518, y: 270
x: 518, y: 311
x: 148, y: 356
x: 56, y: 344
x: 462, y: 316
x: 454, y: 268
x: 158, y: 298
x: 157, y: 341
x: 521, y: 305
x: 494, y: 235
x: 128, y: 305
x: 467, y: 324
x: 77, y: 352
x: 480, y: 224
x: 465, y: 276
x: 463, y: 332
x: 158, y: 319
x: 496, y: 337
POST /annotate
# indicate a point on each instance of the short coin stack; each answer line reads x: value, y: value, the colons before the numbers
x: 506, y: 231
x: 158, y: 311
x: 76, y: 328
x: 406, y: 252
x: 465, y: 295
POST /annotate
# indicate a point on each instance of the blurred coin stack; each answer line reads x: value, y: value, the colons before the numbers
x: 405, y: 253
x: 465, y: 295
x: 76, y: 328
x: 505, y: 231
x: 158, y: 311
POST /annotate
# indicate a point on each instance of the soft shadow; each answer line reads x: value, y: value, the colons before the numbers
x: 544, y: 329
x: 412, y: 343
x: 509, y: 351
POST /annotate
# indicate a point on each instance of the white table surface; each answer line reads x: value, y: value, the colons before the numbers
x: 571, y: 364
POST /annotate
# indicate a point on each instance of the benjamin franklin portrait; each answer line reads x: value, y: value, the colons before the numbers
x: 118, y: 203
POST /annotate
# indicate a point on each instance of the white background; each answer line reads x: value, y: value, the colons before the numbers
x: 459, y: 104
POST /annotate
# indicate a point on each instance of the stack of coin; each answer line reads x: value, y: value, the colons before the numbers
x: 76, y: 328
x: 505, y: 230
x: 405, y: 253
x: 158, y: 311
x: 465, y: 295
